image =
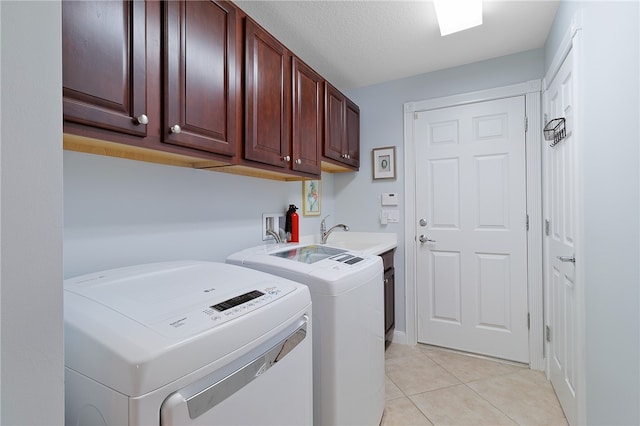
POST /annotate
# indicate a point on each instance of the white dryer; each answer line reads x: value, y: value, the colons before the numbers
x: 348, y: 316
x: 187, y: 343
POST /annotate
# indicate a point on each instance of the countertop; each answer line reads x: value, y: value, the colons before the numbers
x: 365, y: 242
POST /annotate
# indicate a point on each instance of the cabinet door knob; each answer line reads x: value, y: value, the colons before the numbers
x: 175, y: 129
x: 286, y: 158
x: 142, y: 119
x: 298, y: 161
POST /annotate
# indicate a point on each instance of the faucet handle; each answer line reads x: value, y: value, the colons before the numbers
x: 323, y: 224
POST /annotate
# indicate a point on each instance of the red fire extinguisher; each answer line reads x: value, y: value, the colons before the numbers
x: 292, y: 224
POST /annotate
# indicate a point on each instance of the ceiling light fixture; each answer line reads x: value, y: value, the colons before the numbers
x: 458, y: 15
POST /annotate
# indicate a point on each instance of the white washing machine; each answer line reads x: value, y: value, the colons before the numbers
x: 187, y: 343
x: 348, y: 319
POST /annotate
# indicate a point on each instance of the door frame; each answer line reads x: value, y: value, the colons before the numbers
x: 531, y: 90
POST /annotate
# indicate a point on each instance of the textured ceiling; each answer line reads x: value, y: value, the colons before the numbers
x: 359, y: 43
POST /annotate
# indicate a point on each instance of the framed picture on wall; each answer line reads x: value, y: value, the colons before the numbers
x: 311, y: 198
x: 384, y: 162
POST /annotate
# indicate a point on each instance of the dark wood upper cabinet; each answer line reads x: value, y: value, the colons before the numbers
x: 341, y: 129
x: 352, y: 133
x: 267, y: 98
x: 200, y: 75
x: 197, y: 83
x: 334, y: 123
x: 307, y: 118
x: 104, y: 65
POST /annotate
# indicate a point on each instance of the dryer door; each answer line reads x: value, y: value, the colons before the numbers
x: 271, y: 386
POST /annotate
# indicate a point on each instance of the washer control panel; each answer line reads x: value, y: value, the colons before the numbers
x: 347, y: 258
x: 223, y: 311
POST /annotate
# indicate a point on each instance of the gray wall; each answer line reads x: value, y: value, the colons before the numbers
x: 122, y: 212
x: 357, y: 196
x: 31, y: 368
x: 610, y: 97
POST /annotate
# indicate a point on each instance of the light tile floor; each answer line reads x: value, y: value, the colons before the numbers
x: 431, y: 386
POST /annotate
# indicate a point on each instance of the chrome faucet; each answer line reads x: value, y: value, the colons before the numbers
x: 323, y: 229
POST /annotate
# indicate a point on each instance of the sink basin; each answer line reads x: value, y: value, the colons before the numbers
x: 308, y: 254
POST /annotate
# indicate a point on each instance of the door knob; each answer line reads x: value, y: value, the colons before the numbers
x: 423, y: 239
x: 175, y: 129
x: 423, y: 222
x: 286, y: 158
x: 571, y: 259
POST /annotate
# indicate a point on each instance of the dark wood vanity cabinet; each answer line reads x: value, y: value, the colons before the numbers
x: 389, y: 294
x: 104, y: 65
x: 199, y: 79
x: 342, y: 128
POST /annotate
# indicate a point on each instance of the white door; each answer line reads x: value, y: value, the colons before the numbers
x: 471, y: 202
x: 561, y: 212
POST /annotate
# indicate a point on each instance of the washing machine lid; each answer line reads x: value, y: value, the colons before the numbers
x: 138, y: 328
x: 325, y: 269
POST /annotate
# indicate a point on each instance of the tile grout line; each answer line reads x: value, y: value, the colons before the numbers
x: 473, y: 390
x: 491, y: 403
x: 427, y: 354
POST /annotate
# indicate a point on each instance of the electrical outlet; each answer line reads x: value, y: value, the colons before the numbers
x: 271, y: 222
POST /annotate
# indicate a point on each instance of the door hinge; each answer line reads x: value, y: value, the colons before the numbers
x: 546, y: 227
x: 415, y: 116
x: 527, y: 222
x: 528, y: 321
x: 547, y: 332
x: 526, y: 124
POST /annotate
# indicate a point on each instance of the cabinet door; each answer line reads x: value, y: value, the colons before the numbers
x: 267, y: 98
x: 307, y: 118
x: 389, y: 303
x: 104, y: 64
x: 352, y: 134
x: 334, y: 136
x: 200, y: 75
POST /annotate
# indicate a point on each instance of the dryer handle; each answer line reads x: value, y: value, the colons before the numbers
x: 201, y: 399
